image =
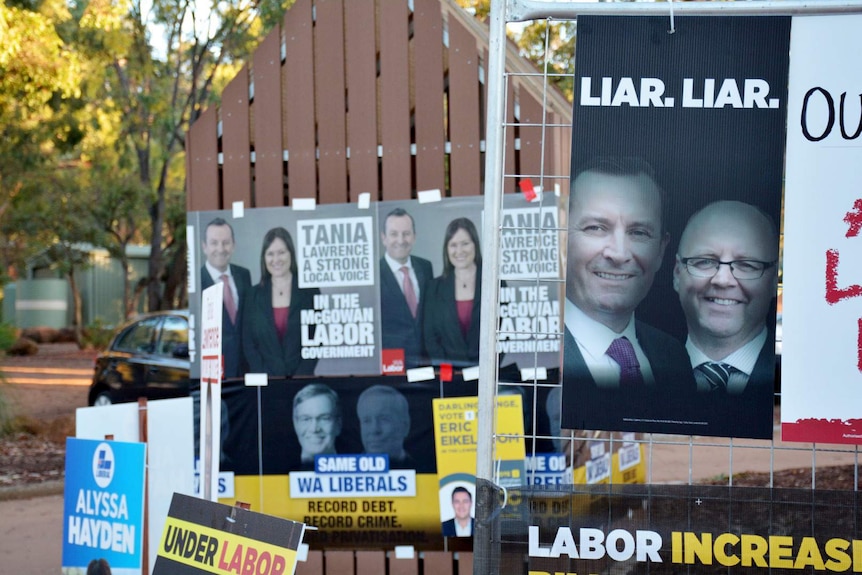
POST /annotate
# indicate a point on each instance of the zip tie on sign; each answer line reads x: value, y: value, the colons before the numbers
x: 672, y: 27
x: 499, y: 509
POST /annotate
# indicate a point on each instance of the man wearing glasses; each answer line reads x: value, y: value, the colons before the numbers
x: 726, y: 276
x: 316, y: 420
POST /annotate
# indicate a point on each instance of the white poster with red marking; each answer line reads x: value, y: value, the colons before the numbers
x: 211, y: 376
x: 821, y: 398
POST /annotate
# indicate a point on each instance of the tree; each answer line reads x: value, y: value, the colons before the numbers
x: 53, y: 213
x: 146, y: 72
x: 551, y: 44
x: 39, y: 78
x: 542, y: 42
x: 119, y: 216
x: 161, y: 94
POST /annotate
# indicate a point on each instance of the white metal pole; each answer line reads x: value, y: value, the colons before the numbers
x: 494, y: 154
x: 486, y: 541
x: 520, y: 10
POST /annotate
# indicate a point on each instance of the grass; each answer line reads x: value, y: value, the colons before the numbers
x: 6, y: 415
x: 97, y: 335
x: 54, y: 430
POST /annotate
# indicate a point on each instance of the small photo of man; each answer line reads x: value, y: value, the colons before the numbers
x: 403, y: 283
x: 615, y: 246
x: 461, y: 525
x: 726, y: 277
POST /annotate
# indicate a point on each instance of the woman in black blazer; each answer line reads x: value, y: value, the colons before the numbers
x: 452, y: 300
x: 272, y: 309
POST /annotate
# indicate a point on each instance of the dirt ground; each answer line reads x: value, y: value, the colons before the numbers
x: 45, y: 389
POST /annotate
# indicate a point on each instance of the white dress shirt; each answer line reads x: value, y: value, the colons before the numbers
x: 466, y: 531
x: 742, y: 360
x: 399, y: 277
x: 216, y: 276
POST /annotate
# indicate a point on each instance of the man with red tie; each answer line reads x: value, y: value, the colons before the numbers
x: 218, y: 246
x: 403, y: 278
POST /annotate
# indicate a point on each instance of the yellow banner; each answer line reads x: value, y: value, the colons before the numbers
x: 456, y: 433
x: 214, y: 551
x: 350, y: 521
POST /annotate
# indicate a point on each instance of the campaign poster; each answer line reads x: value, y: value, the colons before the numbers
x: 455, y: 437
x: 672, y: 230
x: 822, y: 359
x: 666, y: 529
x: 438, y: 245
x: 352, y: 457
x: 202, y: 536
x: 444, y: 255
x: 303, y: 285
x: 531, y: 268
x: 103, y: 505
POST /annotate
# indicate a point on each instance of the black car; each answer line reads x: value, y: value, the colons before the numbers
x: 148, y: 357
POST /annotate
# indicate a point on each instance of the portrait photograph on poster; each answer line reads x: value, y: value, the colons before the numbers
x: 672, y: 247
x: 301, y: 295
x: 328, y: 416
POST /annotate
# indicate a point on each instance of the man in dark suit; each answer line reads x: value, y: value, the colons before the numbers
x: 727, y: 278
x: 218, y: 246
x: 618, y: 373
x: 462, y: 524
x: 403, y: 279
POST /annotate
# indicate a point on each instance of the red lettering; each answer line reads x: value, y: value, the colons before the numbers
x: 264, y: 563
x: 854, y: 220
x: 221, y: 564
x: 278, y: 564
x: 834, y: 294
x: 236, y: 560
x: 250, y: 559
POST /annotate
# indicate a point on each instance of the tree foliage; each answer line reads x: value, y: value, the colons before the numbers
x: 39, y: 81
x: 172, y: 60
x: 550, y: 45
x: 96, y: 97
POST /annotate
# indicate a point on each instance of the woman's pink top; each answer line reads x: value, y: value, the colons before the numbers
x: 279, y: 314
x: 465, y: 313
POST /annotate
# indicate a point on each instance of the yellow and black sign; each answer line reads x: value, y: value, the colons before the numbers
x: 205, y: 537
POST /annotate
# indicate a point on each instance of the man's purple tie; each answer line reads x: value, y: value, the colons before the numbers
x: 622, y: 352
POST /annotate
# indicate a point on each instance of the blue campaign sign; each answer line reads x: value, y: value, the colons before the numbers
x: 103, y: 508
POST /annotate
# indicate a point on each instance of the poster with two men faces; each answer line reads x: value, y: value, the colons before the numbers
x: 673, y: 245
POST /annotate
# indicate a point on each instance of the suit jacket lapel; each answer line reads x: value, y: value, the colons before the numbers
x: 574, y: 366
